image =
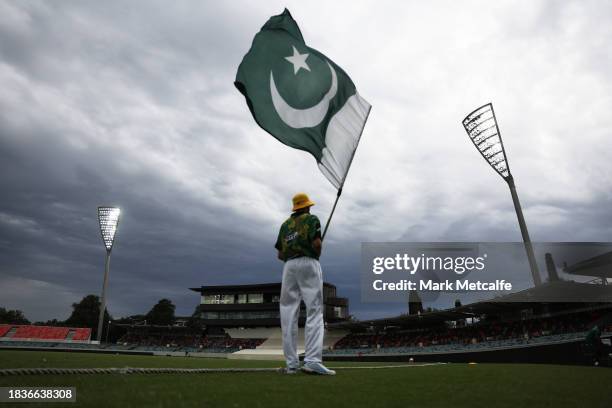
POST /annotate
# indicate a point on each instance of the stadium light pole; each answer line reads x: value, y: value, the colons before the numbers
x: 108, y: 218
x: 481, y: 126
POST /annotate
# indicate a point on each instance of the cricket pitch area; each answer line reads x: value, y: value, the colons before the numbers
x: 211, y: 382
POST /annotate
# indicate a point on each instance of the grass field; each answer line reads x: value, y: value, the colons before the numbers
x: 450, y: 385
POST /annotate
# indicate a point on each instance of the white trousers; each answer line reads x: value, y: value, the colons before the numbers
x: 302, y: 280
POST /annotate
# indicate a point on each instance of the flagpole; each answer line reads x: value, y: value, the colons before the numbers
x: 344, y: 178
x: 332, y: 213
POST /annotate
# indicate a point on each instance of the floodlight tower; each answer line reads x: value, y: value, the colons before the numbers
x: 108, y: 217
x: 481, y: 127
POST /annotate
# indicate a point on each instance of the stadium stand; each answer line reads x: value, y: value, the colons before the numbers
x: 484, y: 332
x: 4, y: 329
x: 31, y: 332
x: 81, y: 334
x: 456, y: 347
x: 167, y: 339
x: 506, y: 332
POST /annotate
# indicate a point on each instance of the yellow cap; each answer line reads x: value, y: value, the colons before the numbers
x: 301, y: 200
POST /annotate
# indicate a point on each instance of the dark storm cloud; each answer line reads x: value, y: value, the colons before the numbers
x: 162, y: 247
x: 55, y: 173
x: 132, y: 104
x: 50, y: 230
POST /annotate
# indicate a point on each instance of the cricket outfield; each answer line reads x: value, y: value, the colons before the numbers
x: 458, y: 385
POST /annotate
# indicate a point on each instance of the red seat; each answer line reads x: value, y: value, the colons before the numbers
x: 42, y: 332
x: 4, y: 329
x: 81, y: 334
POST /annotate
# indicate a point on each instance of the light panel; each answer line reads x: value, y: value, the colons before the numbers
x: 481, y: 127
x: 108, y: 218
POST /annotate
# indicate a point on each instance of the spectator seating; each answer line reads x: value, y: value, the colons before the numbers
x: 482, y: 335
x: 190, y: 342
x: 43, y: 332
x: 444, y: 348
x: 4, y: 329
x: 81, y: 334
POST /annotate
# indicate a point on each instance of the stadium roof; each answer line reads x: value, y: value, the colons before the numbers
x: 549, y: 292
x: 600, y: 266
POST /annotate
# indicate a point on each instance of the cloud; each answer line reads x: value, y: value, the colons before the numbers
x: 33, y: 295
x: 133, y: 104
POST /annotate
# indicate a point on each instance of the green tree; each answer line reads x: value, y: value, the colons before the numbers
x: 53, y: 322
x: 86, y: 313
x: 162, y: 313
x: 12, y: 316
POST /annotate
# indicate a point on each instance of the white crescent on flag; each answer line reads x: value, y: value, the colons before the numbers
x: 303, y: 118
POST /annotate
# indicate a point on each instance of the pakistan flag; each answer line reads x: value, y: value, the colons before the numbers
x: 301, y: 97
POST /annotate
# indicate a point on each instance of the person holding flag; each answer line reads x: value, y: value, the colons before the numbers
x: 299, y: 246
x: 306, y: 101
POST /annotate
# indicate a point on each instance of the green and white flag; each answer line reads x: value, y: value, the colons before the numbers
x: 301, y: 97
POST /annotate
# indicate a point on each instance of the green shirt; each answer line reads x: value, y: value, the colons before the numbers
x: 296, y: 235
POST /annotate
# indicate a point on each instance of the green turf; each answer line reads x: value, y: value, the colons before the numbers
x: 452, y: 385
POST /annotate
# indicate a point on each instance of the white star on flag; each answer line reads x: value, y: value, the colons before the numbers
x: 298, y: 60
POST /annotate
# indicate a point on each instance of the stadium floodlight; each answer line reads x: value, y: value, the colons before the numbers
x: 108, y: 218
x: 481, y: 126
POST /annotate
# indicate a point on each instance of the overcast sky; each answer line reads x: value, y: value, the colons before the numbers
x: 133, y: 104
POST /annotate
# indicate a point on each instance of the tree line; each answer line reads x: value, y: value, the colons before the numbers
x: 86, y: 312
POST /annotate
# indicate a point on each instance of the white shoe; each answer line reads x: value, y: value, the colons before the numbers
x: 317, y: 368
